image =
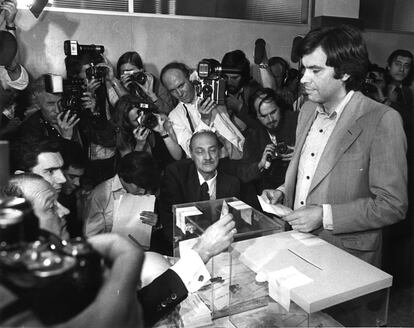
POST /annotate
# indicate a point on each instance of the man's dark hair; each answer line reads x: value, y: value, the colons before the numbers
x: 402, y: 53
x: 72, y: 154
x: 268, y: 95
x: 175, y: 65
x: 205, y: 132
x: 285, y: 66
x: 24, y: 154
x: 345, y: 50
x: 141, y: 169
x: 131, y: 57
x: 237, y: 59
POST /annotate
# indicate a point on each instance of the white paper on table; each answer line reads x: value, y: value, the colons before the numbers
x: 277, y: 209
x: 307, y: 239
x: 127, y: 218
x: 183, y: 212
x: 281, y: 283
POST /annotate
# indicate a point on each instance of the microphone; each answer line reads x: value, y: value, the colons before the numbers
x: 259, y: 51
x: 294, y: 56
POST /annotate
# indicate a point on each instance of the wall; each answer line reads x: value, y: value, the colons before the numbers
x: 338, y: 8
x: 157, y: 40
x: 403, y: 16
x: 162, y: 39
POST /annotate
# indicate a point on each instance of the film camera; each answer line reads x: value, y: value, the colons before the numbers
x: 54, y: 278
x: 72, y: 91
x: 146, y: 117
x: 281, y: 149
x: 368, y: 85
x: 212, y: 84
x: 138, y: 77
x: 73, y: 48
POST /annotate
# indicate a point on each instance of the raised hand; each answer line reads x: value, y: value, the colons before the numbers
x: 65, y: 124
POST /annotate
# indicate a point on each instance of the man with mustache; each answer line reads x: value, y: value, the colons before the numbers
x: 272, y: 143
x: 348, y: 175
x: 193, y: 180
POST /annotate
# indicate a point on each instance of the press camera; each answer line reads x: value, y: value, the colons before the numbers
x: 55, y: 278
x: 212, y: 84
x: 146, y: 117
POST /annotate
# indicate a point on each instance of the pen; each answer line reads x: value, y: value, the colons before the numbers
x: 134, y: 240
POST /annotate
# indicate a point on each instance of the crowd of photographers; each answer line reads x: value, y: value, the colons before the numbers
x: 78, y: 142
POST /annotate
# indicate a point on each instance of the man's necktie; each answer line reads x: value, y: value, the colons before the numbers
x: 204, y: 192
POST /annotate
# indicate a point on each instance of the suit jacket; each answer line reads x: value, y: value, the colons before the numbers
x: 181, y: 185
x: 161, y: 296
x: 362, y: 173
x: 257, y: 140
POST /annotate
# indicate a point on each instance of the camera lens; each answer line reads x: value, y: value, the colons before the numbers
x: 150, y: 121
x: 281, y: 148
x: 141, y: 78
x: 207, y: 91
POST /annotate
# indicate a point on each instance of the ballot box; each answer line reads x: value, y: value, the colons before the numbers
x: 192, y: 219
x: 302, y: 275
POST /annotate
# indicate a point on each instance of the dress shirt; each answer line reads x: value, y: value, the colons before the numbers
x: 211, y: 184
x: 100, y: 205
x: 20, y: 83
x: 221, y: 123
x: 192, y: 271
x: 272, y: 138
x: 311, y: 153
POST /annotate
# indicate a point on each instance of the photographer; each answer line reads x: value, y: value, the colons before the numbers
x: 272, y: 144
x: 116, y: 304
x: 98, y: 132
x: 374, y: 84
x: 50, y: 121
x: 140, y: 129
x: 194, y: 113
x: 13, y: 76
x: 143, y: 84
x: 240, y: 86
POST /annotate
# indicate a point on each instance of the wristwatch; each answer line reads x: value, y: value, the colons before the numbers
x: 11, y: 28
x: 165, y: 136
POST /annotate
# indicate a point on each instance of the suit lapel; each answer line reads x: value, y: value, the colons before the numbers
x: 193, y: 184
x: 221, y: 187
x: 342, y: 137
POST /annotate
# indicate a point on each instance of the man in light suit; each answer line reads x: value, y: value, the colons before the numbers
x: 347, y: 178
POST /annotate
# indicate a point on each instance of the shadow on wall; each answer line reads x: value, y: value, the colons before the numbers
x: 45, y: 38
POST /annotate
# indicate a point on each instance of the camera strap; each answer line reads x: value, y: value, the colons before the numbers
x: 189, y: 119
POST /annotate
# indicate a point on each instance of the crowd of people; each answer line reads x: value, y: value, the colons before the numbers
x: 329, y: 141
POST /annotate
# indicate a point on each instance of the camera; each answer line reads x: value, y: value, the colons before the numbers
x: 73, y: 90
x: 139, y: 77
x: 97, y: 73
x: 146, y: 117
x: 56, y: 279
x: 73, y: 48
x: 212, y: 84
x: 280, y: 149
x: 368, y: 85
x: 212, y: 88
